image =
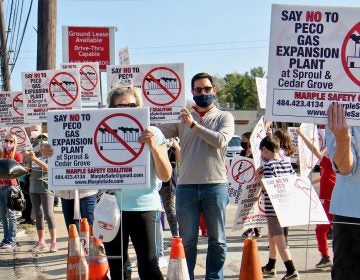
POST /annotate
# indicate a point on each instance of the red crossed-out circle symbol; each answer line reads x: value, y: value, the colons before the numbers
x: 17, y: 104
x: 118, y: 144
x: 88, y: 77
x: 350, y: 54
x: 19, y: 133
x: 63, y: 89
x: 161, y: 86
x: 243, y: 171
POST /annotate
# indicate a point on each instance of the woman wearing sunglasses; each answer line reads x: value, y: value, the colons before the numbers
x: 140, y: 207
x: 7, y: 216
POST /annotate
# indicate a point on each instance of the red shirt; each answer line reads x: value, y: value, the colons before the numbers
x: 327, y: 179
x: 18, y: 157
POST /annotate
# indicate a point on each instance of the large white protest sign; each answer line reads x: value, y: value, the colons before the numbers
x: 12, y: 108
x: 162, y: 87
x: 98, y: 149
x: 295, y: 201
x: 258, y: 134
x: 250, y: 212
x: 47, y: 90
x: 314, y: 60
x: 307, y: 159
x: 90, y: 80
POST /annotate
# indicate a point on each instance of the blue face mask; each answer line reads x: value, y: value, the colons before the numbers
x: 204, y: 100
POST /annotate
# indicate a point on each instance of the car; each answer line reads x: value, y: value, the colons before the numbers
x: 234, y: 146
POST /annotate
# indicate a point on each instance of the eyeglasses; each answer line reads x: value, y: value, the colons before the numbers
x: 9, y: 141
x: 131, y: 105
x: 199, y: 90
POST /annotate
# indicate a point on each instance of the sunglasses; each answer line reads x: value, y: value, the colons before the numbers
x: 9, y: 141
x: 129, y: 105
x: 199, y: 90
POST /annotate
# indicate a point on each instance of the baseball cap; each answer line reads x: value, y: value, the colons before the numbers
x: 106, y: 218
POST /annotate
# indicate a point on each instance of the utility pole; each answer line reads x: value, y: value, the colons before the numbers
x: 46, y: 44
x: 4, y: 54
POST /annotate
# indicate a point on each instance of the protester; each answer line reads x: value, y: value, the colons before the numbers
x: 327, y: 182
x: 42, y: 198
x: 140, y: 207
x: 343, y: 146
x: 204, y: 134
x: 34, y: 132
x: 275, y: 166
x: 7, y: 216
x: 168, y: 189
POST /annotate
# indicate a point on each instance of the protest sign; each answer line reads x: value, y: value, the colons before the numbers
x: 295, y: 201
x: 313, y: 61
x: 98, y: 149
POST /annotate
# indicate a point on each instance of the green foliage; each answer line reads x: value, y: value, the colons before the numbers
x: 240, y: 89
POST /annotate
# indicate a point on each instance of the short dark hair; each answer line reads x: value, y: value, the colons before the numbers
x: 271, y: 143
x: 200, y: 76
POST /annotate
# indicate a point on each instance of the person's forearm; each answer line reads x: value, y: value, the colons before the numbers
x: 310, y: 145
x: 163, y: 167
x: 343, y: 157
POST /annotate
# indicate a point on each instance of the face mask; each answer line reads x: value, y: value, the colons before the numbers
x: 244, y: 145
x: 8, y: 146
x: 34, y: 134
x: 204, y: 100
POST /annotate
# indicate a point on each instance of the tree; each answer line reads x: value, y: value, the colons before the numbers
x: 240, y: 89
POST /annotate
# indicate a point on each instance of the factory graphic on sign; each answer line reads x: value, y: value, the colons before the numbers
x: 110, y: 142
x: 161, y: 86
x: 353, y: 61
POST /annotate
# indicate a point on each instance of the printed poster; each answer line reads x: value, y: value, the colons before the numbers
x: 314, y: 60
x: 90, y: 80
x: 295, y: 201
x: 98, y: 149
x: 49, y: 90
x: 162, y: 87
x: 250, y: 212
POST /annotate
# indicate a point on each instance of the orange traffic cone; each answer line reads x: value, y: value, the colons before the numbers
x: 98, y: 264
x: 177, y: 269
x: 250, y: 263
x: 77, y: 268
x: 84, y: 235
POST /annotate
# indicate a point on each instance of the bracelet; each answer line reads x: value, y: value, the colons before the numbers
x: 193, y: 124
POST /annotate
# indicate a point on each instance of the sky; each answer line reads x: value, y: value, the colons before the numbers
x: 217, y: 37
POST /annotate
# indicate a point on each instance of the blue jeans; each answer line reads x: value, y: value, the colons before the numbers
x: 87, y: 205
x: 8, y: 218
x: 211, y: 199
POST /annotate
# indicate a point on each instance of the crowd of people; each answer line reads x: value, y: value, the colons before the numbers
x: 189, y: 158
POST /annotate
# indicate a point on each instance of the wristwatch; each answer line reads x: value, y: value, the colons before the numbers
x: 193, y: 124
